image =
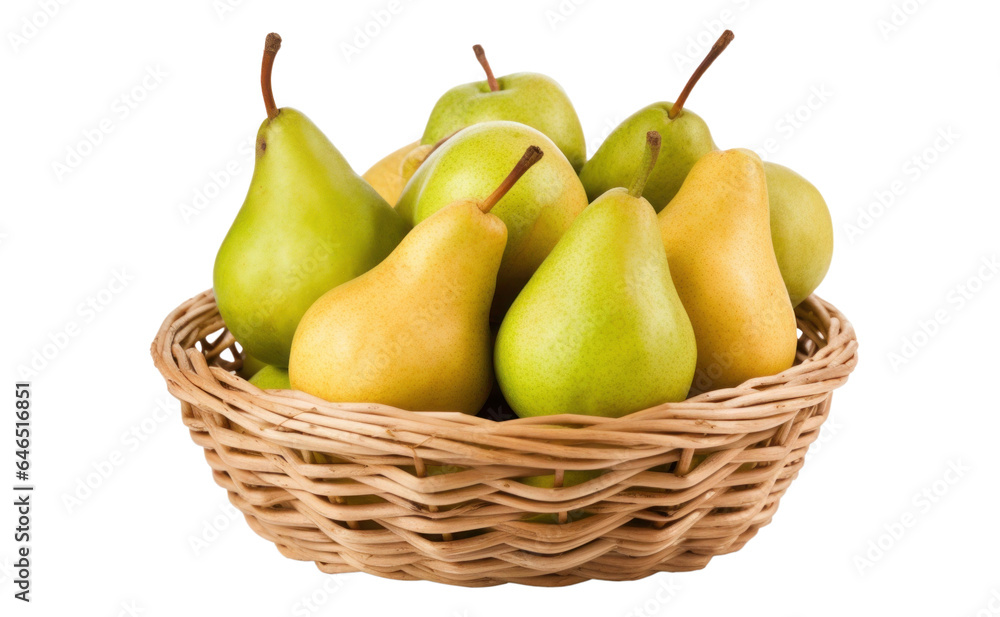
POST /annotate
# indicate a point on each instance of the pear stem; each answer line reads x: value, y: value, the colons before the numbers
x: 715, y: 52
x: 531, y: 156
x: 648, y: 162
x: 440, y: 142
x: 271, y: 46
x: 481, y: 56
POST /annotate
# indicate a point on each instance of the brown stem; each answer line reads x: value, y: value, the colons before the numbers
x: 646, y: 167
x: 481, y: 56
x: 271, y: 46
x: 531, y: 156
x: 720, y: 45
x: 417, y: 157
x: 440, y: 142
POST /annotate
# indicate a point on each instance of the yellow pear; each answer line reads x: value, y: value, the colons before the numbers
x: 389, y: 176
x: 386, y: 175
x: 717, y: 235
x: 413, y: 332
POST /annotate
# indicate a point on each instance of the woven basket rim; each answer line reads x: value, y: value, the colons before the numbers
x: 756, y: 404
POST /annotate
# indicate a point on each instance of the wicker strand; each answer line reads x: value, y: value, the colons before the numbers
x: 347, y: 485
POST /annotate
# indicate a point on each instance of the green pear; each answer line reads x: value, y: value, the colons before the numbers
x: 801, y: 230
x: 251, y: 366
x: 599, y: 329
x: 717, y: 235
x: 537, y: 212
x: 271, y: 378
x: 413, y: 332
x: 528, y: 98
x: 685, y: 140
x: 308, y: 224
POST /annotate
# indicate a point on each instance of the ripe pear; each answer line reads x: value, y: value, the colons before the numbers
x: 599, y: 329
x: 536, y: 212
x: 413, y: 332
x: 308, y: 224
x: 528, y: 98
x: 391, y: 174
x: 271, y: 378
x: 801, y: 230
x: 386, y: 176
x: 717, y: 235
x: 686, y: 139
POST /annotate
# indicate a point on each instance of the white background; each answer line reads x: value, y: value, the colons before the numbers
x: 896, y: 428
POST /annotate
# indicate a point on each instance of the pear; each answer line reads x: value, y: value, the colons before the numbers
x: 390, y: 175
x: 536, y: 212
x: 308, y: 224
x: 528, y: 98
x: 717, y: 236
x: 251, y: 366
x: 386, y: 175
x: 686, y: 139
x: 599, y: 329
x: 271, y: 378
x: 413, y: 332
x: 801, y: 230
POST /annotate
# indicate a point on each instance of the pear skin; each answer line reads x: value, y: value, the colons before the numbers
x: 529, y: 98
x: 537, y: 211
x: 386, y: 175
x: 685, y: 140
x: 414, y: 331
x: 251, y: 366
x: 599, y: 329
x: 271, y: 378
x: 390, y: 175
x: 717, y: 236
x: 411, y: 163
x: 308, y: 223
x: 801, y: 230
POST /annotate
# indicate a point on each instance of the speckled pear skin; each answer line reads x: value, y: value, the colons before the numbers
x: 801, y: 230
x: 308, y: 224
x: 271, y: 378
x: 685, y: 139
x: 717, y: 236
x: 528, y: 98
x: 537, y: 210
x: 411, y: 163
x: 386, y: 175
x: 599, y: 329
x: 413, y: 332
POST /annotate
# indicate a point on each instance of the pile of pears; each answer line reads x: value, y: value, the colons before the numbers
x: 492, y: 260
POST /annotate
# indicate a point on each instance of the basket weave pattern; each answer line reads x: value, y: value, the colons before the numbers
x: 435, y: 496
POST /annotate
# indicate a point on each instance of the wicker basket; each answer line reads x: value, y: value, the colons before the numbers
x: 436, y: 496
